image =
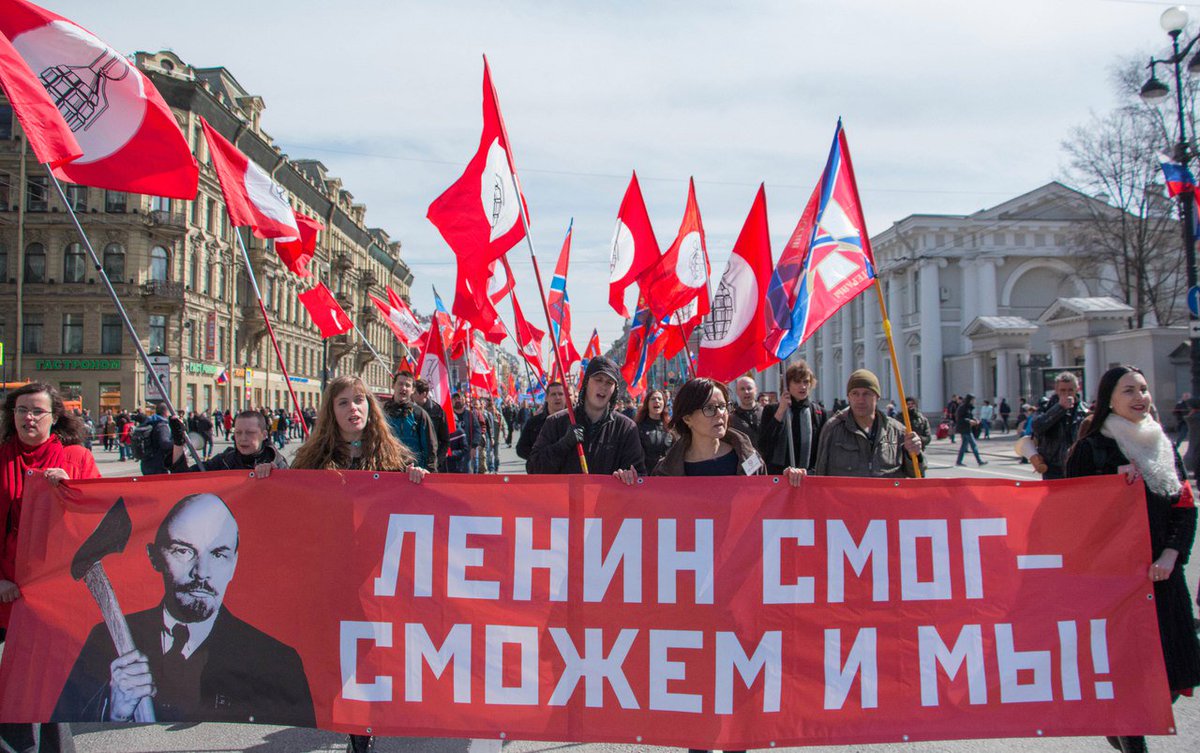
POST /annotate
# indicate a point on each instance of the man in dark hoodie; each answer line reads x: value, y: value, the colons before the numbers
x: 790, y: 430
x: 410, y: 423
x: 250, y: 447
x: 437, y: 415
x: 556, y: 400
x: 610, y: 440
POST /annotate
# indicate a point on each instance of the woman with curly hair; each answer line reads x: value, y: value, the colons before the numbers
x: 352, y: 434
x: 37, y: 433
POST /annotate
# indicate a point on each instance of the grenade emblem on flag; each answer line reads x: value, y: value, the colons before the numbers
x: 716, y: 326
x: 497, y: 197
x: 696, y: 263
x: 79, y: 91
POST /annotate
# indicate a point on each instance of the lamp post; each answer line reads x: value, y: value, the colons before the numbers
x: 1173, y: 21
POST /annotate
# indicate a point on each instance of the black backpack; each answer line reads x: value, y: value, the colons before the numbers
x: 141, y: 441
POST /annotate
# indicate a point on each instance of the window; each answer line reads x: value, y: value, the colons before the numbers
x: 220, y: 343
x: 110, y: 334
x: 158, y: 264
x: 3, y: 263
x: 160, y: 204
x: 5, y: 184
x: 37, y: 193
x: 114, y: 202
x: 32, y: 333
x: 76, y: 197
x: 35, y: 263
x: 158, y: 332
x: 190, y: 326
x: 114, y: 262
x: 6, y: 120
x: 193, y: 269
x: 72, y: 333
x: 209, y: 206
x: 220, y: 291
x: 74, y: 266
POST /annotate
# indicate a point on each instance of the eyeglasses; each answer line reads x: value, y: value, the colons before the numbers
x: 37, y: 413
x: 713, y: 409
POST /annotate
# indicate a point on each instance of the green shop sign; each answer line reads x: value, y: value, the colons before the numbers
x: 81, y: 364
x: 202, y: 368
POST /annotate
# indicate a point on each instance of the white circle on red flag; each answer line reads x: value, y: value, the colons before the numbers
x: 497, y: 192
x: 269, y: 198
x: 733, y: 305
x: 622, y: 252
x: 99, y: 93
x: 689, y: 264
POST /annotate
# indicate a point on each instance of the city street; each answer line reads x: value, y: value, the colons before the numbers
x: 100, y: 738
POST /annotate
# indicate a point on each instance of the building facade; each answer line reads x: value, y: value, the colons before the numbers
x: 180, y: 273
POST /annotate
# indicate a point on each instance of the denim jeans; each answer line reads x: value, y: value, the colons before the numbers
x: 968, y: 442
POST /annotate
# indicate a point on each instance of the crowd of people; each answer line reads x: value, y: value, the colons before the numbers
x: 703, y: 429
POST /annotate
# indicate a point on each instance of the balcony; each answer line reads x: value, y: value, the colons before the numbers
x: 164, y: 290
x: 368, y: 279
x: 341, y: 262
x: 171, y: 223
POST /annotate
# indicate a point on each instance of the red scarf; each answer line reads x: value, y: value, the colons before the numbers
x: 16, y: 458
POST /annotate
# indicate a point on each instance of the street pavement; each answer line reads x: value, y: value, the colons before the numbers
x: 1002, y: 463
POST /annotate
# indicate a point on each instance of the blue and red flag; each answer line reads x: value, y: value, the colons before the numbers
x: 646, y: 341
x: 1180, y: 180
x: 560, y: 305
x: 591, y: 351
x: 826, y: 262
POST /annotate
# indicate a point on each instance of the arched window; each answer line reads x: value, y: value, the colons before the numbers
x: 114, y: 262
x: 35, y: 263
x: 158, y: 264
x: 74, y: 267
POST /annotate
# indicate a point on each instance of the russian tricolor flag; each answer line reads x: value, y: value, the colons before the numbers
x: 1179, y: 178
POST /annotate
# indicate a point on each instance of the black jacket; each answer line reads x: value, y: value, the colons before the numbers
x: 1054, y: 431
x: 610, y: 444
x: 771, y: 435
x: 242, y: 674
x: 529, y: 434
x: 161, y: 447
x: 748, y: 422
x: 441, y: 430
x: 656, y: 440
x: 1172, y: 525
x: 231, y: 460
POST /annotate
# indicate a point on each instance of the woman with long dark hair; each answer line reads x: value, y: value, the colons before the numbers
x: 1121, y: 436
x: 37, y: 433
x: 352, y: 434
x: 652, y: 427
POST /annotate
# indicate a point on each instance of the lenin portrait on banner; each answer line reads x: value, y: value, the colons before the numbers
x: 195, y: 659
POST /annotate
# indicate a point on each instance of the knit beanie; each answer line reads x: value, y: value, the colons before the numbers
x: 863, y: 378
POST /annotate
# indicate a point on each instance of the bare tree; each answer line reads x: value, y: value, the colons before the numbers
x: 1132, y: 241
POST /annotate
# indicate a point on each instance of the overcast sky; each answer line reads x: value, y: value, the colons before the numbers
x: 949, y: 106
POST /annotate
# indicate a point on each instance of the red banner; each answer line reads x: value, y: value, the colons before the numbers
x: 716, y: 612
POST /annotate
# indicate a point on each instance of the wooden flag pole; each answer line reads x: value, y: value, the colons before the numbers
x: 133, y: 335
x: 270, y: 330
x: 537, y: 272
x: 887, y: 331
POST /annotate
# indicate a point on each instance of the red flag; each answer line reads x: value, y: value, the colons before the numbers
x: 647, y: 337
x: 634, y: 247
x: 681, y: 275
x: 129, y: 137
x: 325, y: 311
x: 434, y: 371
x: 497, y: 293
x: 48, y: 134
x: 529, y: 340
x: 401, y: 322
x: 732, y: 339
x: 512, y: 387
x: 479, y: 215
x: 476, y: 308
x: 483, y: 375
x: 678, y: 331
x: 253, y: 199
x: 296, y: 255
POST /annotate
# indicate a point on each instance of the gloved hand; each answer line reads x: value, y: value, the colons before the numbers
x: 177, y: 431
x: 573, y: 437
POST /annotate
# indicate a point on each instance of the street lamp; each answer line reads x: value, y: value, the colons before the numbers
x: 1173, y: 21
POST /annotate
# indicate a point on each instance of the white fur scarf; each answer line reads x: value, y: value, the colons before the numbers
x: 1147, y: 447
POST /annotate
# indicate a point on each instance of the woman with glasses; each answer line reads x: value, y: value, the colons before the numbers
x: 706, y: 445
x: 37, y: 433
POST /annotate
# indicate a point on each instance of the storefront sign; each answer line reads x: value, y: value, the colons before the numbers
x: 81, y: 364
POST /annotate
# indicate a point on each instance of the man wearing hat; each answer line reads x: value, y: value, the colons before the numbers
x: 610, y: 440
x: 862, y: 441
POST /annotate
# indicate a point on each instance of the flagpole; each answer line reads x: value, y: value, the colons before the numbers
x: 137, y: 344
x: 536, y: 271
x: 270, y: 329
x: 387, y: 369
x: 887, y: 331
x: 687, y: 351
x: 442, y: 340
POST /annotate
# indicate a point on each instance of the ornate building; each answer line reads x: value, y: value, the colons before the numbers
x: 179, y: 272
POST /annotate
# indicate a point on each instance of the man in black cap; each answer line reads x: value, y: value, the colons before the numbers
x: 610, y: 440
